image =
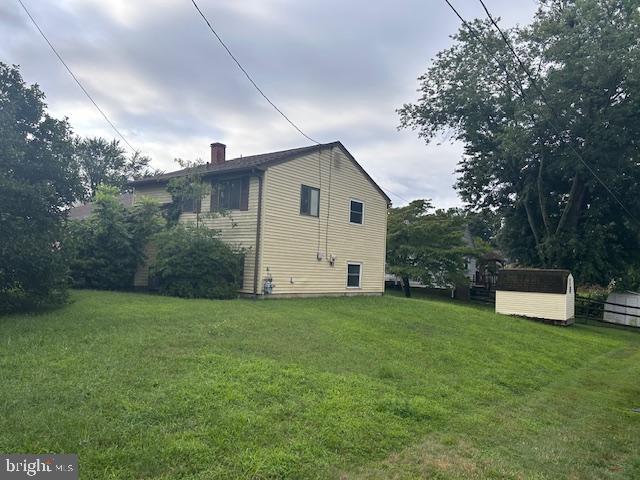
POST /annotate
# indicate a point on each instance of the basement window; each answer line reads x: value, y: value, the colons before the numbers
x: 354, y: 274
x: 309, y: 201
x: 356, y: 212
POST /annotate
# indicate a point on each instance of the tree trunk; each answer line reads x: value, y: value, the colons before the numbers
x: 406, y: 288
x: 534, y: 230
x: 531, y: 219
x: 541, y: 197
x: 572, y: 210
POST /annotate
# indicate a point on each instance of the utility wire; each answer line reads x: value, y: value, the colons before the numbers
x: 246, y: 74
x: 115, y: 129
x: 395, y: 194
x: 535, y: 85
x: 255, y: 85
x: 552, y: 110
x: 476, y: 35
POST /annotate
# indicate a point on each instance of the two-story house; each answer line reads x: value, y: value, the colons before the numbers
x: 312, y: 221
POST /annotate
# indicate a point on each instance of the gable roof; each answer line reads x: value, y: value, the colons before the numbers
x: 251, y: 162
x: 532, y: 280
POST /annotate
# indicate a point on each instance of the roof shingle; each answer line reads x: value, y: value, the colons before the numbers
x: 235, y: 164
x: 532, y: 280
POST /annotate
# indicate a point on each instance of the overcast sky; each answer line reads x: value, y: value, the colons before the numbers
x: 338, y: 68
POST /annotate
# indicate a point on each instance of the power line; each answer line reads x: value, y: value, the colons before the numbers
x: 552, y: 110
x: 246, y: 74
x: 397, y: 196
x: 491, y: 54
x: 260, y: 91
x: 523, y: 95
x: 74, y: 77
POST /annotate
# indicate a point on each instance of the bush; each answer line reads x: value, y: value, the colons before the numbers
x: 109, y: 245
x: 194, y: 263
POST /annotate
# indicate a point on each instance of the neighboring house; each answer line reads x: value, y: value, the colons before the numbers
x: 536, y: 293
x: 80, y: 212
x: 312, y: 220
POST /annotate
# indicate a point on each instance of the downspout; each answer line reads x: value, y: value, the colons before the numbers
x: 256, y: 272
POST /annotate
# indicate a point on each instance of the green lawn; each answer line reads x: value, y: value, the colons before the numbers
x: 145, y: 387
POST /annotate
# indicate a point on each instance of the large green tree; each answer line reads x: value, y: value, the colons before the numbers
x: 524, y: 139
x: 104, y: 162
x: 426, y: 246
x: 38, y: 179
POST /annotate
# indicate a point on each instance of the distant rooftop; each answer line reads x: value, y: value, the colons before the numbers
x: 81, y: 212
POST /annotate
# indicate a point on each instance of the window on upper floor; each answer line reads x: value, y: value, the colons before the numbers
x: 191, y: 205
x: 230, y: 194
x: 309, y: 201
x: 356, y: 212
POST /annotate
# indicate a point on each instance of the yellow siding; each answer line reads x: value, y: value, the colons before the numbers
x: 238, y: 228
x: 156, y: 192
x: 552, y: 306
x: 291, y: 242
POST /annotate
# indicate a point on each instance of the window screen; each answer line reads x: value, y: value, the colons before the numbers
x: 230, y: 195
x: 190, y: 205
x: 353, y: 275
x: 356, y: 212
x: 309, y: 201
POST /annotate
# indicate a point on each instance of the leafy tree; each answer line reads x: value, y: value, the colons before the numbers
x: 187, y: 191
x: 144, y: 222
x: 520, y: 145
x: 109, y: 245
x: 38, y: 180
x: 424, y: 246
x: 483, y: 225
x: 194, y: 263
x: 104, y: 162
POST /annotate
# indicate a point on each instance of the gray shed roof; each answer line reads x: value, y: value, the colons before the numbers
x: 254, y: 162
x: 532, y: 280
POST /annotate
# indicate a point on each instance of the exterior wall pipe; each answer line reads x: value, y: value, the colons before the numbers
x: 256, y: 269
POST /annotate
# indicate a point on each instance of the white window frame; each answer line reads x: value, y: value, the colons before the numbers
x: 346, y: 280
x: 349, y: 211
x: 309, y: 215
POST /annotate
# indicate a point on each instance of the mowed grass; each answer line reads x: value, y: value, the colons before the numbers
x: 145, y: 387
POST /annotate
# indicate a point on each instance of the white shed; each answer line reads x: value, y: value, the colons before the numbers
x: 536, y: 293
x: 623, y: 308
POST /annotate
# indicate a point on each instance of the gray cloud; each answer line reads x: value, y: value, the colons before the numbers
x: 339, y: 69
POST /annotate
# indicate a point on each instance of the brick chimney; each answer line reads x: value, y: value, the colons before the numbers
x: 218, y: 153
